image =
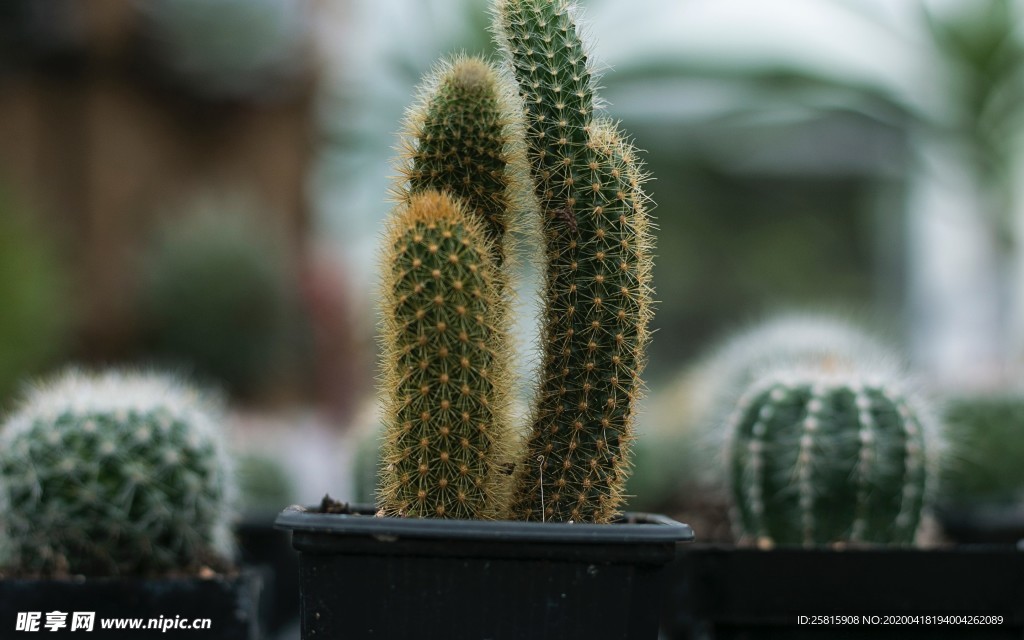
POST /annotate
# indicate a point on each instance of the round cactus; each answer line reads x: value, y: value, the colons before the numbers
x: 114, y: 474
x: 829, y: 458
x: 805, y: 340
x: 445, y: 362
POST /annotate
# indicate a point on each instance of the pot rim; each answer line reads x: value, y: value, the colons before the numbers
x: 632, y: 529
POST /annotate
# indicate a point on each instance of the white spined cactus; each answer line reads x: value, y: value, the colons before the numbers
x: 115, y: 473
x: 818, y: 341
x: 832, y: 457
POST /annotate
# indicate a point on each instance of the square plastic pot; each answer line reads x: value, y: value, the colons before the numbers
x: 367, y: 577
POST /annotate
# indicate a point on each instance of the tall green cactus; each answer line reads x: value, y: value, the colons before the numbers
x: 114, y: 474
x: 447, y: 395
x: 819, y: 459
x: 463, y: 136
x: 462, y: 173
x: 597, y: 273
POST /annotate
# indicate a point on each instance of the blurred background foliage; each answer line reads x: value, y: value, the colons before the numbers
x: 217, y: 297
x: 851, y: 154
x: 34, y: 315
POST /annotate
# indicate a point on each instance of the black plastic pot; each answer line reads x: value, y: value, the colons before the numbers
x: 230, y: 604
x: 721, y: 592
x: 263, y: 547
x: 368, y: 577
x: 982, y: 523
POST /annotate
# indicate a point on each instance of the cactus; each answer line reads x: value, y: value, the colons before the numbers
x: 114, y: 474
x: 264, y: 484
x: 827, y: 458
x: 805, y: 340
x: 987, y: 434
x: 809, y: 341
x: 597, y: 273
x: 463, y: 136
x: 445, y: 369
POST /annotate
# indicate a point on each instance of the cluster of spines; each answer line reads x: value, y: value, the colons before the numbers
x: 597, y: 273
x: 447, y: 438
x: 115, y: 474
x: 816, y: 460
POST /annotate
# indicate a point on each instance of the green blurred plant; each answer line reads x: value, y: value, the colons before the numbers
x: 987, y: 462
x: 115, y: 473
x: 218, y: 298
x: 35, y: 309
x: 981, y: 46
x: 264, y: 485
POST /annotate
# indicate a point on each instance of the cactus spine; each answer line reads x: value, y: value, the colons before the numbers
x: 819, y: 459
x: 447, y: 396
x: 114, y: 474
x: 597, y: 273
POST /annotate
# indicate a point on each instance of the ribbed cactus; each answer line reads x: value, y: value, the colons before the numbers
x: 463, y: 136
x: 445, y: 370
x: 597, y: 273
x: 114, y: 474
x: 829, y: 458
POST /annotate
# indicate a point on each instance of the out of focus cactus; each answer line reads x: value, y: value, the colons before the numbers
x: 34, y: 303
x: 445, y: 369
x: 263, y: 484
x: 987, y: 438
x: 218, y: 299
x: 804, y: 340
x: 818, y: 458
x: 114, y: 474
x: 597, y: 272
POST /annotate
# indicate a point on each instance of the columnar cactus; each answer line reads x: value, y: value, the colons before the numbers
x: 463, y: 136
x: 818, y: 459
x: 114, y: 474
x: 446, y: 410
x: 597, y: 273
